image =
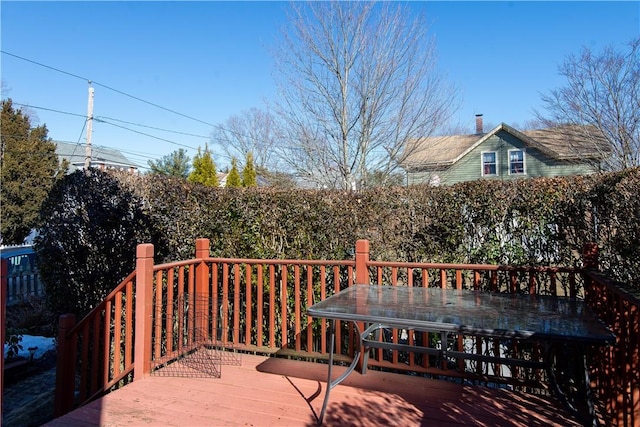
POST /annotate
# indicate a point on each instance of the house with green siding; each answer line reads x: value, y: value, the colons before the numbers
x: 503, y: 153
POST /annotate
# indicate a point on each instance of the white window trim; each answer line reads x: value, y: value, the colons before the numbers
x: 524, y: 161
x: 495, y: 153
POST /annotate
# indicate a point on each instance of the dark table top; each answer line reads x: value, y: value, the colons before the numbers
x: 467, y: 312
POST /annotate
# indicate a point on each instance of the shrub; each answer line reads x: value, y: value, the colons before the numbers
x: 90, y: 228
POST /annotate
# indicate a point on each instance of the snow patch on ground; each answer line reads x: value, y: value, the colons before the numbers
x: 44, y: 344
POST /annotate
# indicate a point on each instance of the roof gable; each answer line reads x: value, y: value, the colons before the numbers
x: 562, y: 143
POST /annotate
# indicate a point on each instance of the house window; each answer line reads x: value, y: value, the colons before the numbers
x: 489, y: 163
x: 516, y: 162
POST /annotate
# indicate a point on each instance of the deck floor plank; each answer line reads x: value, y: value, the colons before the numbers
x: 279, y: 392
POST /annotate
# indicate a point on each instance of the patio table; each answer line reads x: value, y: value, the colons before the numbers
x: 510, y: 316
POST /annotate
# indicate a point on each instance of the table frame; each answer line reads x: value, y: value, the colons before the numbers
x: 375, y: 323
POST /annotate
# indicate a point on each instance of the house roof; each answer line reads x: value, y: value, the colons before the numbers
x: 75, y: 154
x: 562, y: 143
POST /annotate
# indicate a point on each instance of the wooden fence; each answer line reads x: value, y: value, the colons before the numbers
x: 22, y: 278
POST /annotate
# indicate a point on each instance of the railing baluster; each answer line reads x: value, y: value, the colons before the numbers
x: 336, y: 289
x: 225, y: 303
x: 236, y: 304
x: 248, y: 306
x: 284, y: 324
x: 106, y: 351
x: 259, y: 306
x: 170, y: 314
x: 309, y: 322
x: 85, y: 373
x: 532, y: 282
x: 158, y: 314
x: 323, y: 322
x: 95, y: 354
x: 215, y: 301
x: 117, y: 336
x: 272, y: 305
x: 128, y: 344
x: 296, y: 306
x: 572, y: 285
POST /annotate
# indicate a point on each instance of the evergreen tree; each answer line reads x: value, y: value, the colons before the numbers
x: 174, y: 164
x: 204, y: 169
x: 249, y: 174
x: 233, y: 179
x: 28, y: 168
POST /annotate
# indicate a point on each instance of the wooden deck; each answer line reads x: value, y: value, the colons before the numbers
x: 278, y: 392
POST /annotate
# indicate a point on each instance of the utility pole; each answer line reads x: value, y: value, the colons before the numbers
x: 87, y: 159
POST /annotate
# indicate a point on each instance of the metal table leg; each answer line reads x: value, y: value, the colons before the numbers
x: 354, y: 363
x: 577, y: 354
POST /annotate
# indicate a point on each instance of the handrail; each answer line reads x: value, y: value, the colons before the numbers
x: 98, y: 349
x: 280, y: 261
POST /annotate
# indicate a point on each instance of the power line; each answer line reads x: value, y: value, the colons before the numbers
x: 43, y: 65
x: 84, y: 116
x: 146, y: 134
x: 152, y: 127
x: 100, y: 119
x: 108, y: 87
x: 84, y: 125
x: 129, y: 95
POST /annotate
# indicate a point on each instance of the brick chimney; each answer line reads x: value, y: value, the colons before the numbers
x: 479, y: 129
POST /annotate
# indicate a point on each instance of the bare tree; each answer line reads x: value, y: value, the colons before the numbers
x: 602, y: 95
x: 357, y: 81
x: 251, y: 131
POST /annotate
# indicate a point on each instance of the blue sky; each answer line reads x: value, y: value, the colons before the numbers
x: 210, y: 60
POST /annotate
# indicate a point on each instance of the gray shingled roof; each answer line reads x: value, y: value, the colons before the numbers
x: 75, y: 154
x: 562, y: 142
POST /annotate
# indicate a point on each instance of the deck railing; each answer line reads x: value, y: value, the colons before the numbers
x: 260, y: 306
x: 96, y: 353
x: 615, y: 371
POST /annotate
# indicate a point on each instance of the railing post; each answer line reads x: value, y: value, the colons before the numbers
x: 65, y: 366
x: 590, y: 261
x: 590, y: 255
x: 362, y: 278
x: 143, y: 311
x: 4, y: 270
x: 202, y: 269
x: 202, y: 288
x: 362, y: 259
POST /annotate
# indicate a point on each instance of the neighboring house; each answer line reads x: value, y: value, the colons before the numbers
x: 101, y: 158
x: 503, y: 153
x: 222, y: 180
